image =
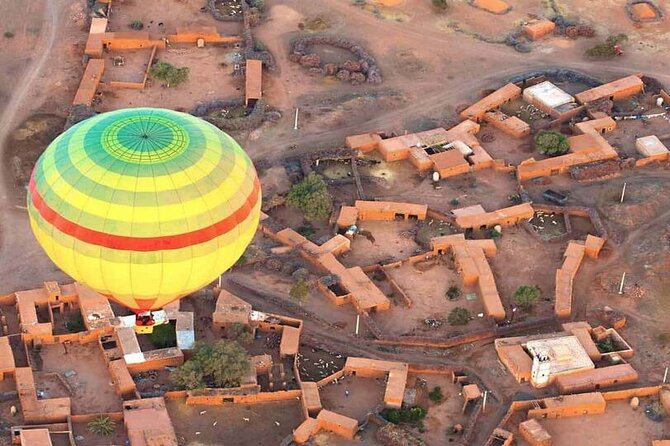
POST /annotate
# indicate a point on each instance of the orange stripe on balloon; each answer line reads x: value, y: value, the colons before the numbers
x: 125, y: 243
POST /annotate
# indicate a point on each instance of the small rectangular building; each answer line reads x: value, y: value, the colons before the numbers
x: 449, y: 163
x: 389, y: 210
x: 311, y: 398
x: 253, y: 81
x: 592, y: 380
x: 534, y: 433
x: 651, y: 147
x: 492, y: 6
x: 536, y: 29
x: 365, y: 142
x: 89, y: 82
x: 35, y: 437
x: 615, y: 90
x: 510, y: 125
x: 338, y: 424
x: 7, y: 364
x: 504, y: 94
x: 575, y: 405
x: 546, y: 96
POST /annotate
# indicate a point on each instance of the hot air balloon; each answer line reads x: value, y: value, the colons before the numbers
x: 144, y: 205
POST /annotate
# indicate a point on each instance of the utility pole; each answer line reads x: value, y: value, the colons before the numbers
x: 623, y: 192
x: 623, y: 278
x: 295, y: 122
x: 665, y: 375
x: 486, y: 394
x: 358, y: 321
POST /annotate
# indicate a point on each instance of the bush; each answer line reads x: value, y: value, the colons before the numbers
x: 171, y: 75
x: 8, y: 34
x: 454, y: 292
x: 413, y: 415
x: 102, y: 425
x: 240, y: 333
x: 220, y: 365
x: 136, y: 25
x: 164, y: 336
x: 606, y: 50
x: 299, y: 290
x: 435, y: 395
x: 459, y: 316
x: 493, y: 233
x: 75, y: 323
x: 311, y: 196
x: 526, y: 295
x: 551, y: 143
x: 606, y: 345
x: 440, y: 4
x: 305, y: 231
x: 454, y: 201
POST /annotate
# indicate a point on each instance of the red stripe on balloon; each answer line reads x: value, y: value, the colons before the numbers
x: 125, y: 243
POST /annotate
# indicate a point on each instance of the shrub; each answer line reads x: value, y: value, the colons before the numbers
x: 526, y: 295
x: 172, y: 76
x: 164, y: 336
x: 311, y: 196
x: 459, y: 316
x: 75, y: 323
x: 454, y: 201
x: 136, y: 25
x: 440, y: 5
x: 551, y: 143
x: 239, y: 332
x: 413, y: 415
x: 606, y: 345
x: 220, y: 365
x: 435, y: 395
x: 453, y: 292
x: 305, y: 231
x: 8, y: 34
x: 606, y: 50
x: 493, y: 233
x: 102, y: 425
x: 299, y: 290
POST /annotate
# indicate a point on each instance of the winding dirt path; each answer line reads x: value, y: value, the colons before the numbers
x: 47, y: 40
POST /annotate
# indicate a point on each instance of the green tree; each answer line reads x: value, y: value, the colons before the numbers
x: 240, y: 333
x: 551, y: 143
x: 102, y: 425
x: 164, y: 336
x: 453, y: 292
x: 413, y: 415
x: 172, y: 75
x: 311, y: 196
x: 220, y: 365
x: 435, y: 395
x: 526, y: 295
x: 299, y: 290
x: 459, y: 316
x: 440, y: 5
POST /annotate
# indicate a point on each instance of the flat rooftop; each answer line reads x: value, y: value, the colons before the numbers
x: 565, y: 353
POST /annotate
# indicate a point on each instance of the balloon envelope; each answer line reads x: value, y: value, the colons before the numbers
x: 144, y: 205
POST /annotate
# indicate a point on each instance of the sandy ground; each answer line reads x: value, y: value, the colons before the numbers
x: 93, y: 391
x: 268, y: 423
x: 619, y: 425
x: 364, y: 394
x: 427, y: 289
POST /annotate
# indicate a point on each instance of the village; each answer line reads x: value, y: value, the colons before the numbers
x: 462, y: 230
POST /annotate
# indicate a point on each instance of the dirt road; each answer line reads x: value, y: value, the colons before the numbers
x: 15, y: 237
